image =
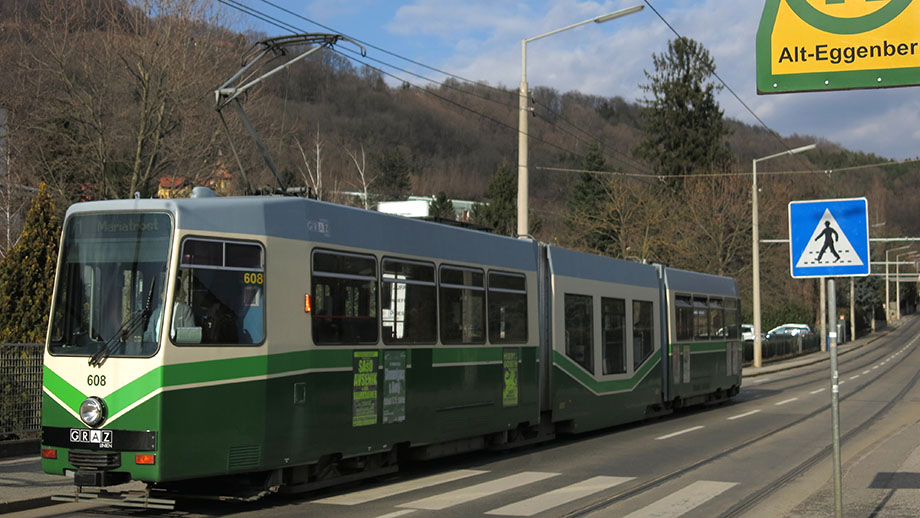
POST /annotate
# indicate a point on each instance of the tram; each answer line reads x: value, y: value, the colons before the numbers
x: 257, y: 344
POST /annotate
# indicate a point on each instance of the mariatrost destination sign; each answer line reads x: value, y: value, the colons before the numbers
x: 808, y: 45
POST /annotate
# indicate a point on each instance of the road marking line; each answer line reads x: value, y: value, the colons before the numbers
x: 397, y: 513
x: 866, y: 371
x: 787, y: 401
x: 560, y: 496
x: 816, y: 391
x: 762, y: 381
x: 675, y: 434
x: 877, y: 366
x: 854, y: 377
x: 376, y: 493
x: 752, y: 412
x: 460, y: 496
x: 681, y: 502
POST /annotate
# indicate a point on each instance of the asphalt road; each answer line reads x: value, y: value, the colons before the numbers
x: 767, y: 453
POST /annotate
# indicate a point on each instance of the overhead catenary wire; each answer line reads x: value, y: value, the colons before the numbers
x: 741, y: 173
x: 286, y: 26
x: 622, y: 156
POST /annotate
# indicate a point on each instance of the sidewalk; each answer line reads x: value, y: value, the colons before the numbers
x: 815, y: 357
x: 23, y: 484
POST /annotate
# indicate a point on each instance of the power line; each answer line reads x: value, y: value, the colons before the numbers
x: 624, y: 158
x: 759, y: 173
x: 286, y: 26
x: 385, y: 51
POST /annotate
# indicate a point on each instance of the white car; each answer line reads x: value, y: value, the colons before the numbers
x: 789, y: 330
x: 747, y: 331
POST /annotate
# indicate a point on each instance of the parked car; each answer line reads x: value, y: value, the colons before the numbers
x: 789, y: 330
x: 747, y: 332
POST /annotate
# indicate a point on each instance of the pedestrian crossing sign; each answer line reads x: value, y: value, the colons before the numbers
x: 829, y: 238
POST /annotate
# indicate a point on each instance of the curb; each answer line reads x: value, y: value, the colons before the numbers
x: 20, y: 448
x: 793, y: 363
x: 25, y: 505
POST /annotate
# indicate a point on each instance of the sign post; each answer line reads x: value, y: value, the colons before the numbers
x: 812, y: 45
x: 829, y: 238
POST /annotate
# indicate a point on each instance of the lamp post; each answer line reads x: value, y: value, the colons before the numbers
x: 522, y: 223
x: 897, y: 277
x: 887, y: 287
x: 755, y: 252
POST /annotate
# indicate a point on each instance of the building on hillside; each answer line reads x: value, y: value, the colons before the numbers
x: 418, y: 207
x: 180, y: 187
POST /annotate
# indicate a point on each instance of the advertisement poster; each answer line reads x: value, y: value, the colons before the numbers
x: 364, y: 404
x: 394, y: 387
x: 510, y: 367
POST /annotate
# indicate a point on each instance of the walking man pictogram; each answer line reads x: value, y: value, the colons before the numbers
x: 829, y: 235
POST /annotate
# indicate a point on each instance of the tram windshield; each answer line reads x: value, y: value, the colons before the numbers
x: 112, y: 275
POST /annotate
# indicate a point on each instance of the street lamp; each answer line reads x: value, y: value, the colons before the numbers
x: 897, y: 275
x: 755, y: 253
x: 887, y: 287
x: 522, y: 223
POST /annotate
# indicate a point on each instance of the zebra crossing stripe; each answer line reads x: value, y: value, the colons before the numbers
x: 460, y: 496
x: 679, y: 503
x: 376, y: 493
x: 560, y: 496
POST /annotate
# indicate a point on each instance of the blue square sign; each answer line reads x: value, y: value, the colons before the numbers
x: 829, y: 238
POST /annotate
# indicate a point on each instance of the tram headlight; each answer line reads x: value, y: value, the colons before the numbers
x: 92, y: 411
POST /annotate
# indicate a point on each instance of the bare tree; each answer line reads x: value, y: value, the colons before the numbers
x: 314, y: 175
x: 361, y: 171
x: 127, y: 88
x: 717, y: 228
x: 631, y: 216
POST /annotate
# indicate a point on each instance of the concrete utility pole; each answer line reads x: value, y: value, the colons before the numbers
x: 755, y: 250
x: 888, y: 314
x: 523, y: 227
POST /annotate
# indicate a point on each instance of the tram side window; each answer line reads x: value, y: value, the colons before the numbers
x: 643, y: 337
x: 731, y: 318
x: 613, y: 315
x: 219, y: 293
x: 579, y: 330
x: 408, y: 303
x: 344, y: 298
x: 507, y: 308
x: 700, y: 318
x: 462, y: 303
x: 684, y: 306
x: 716, y: 318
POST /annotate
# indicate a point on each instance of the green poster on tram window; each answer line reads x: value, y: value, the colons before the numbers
x: 394, y: 387
x: 510, y: 367
x: 364, y: 404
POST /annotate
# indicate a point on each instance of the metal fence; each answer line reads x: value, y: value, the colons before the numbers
x: 785, y: 347
x: 20, y: 391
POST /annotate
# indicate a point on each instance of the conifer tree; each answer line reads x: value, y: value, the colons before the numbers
x: 441, y: 207
x: 585, y: 204
x: 685, y: 131
x: 393, y: 181
x: 27, y: 274
x: 500, y: 213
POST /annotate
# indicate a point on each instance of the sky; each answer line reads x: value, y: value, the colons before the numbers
x: 480, y: 40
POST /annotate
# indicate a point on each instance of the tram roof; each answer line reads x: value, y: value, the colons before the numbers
x: 703, y: 283
x: 576, y: 264
x: 333, y: 225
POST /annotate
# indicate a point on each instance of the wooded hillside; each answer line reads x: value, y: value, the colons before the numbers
x: 105, y: 98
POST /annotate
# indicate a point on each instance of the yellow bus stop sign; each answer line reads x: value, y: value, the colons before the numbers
x: 808, y: 45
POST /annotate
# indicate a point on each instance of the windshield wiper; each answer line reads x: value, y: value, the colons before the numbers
x: 136, y: 319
